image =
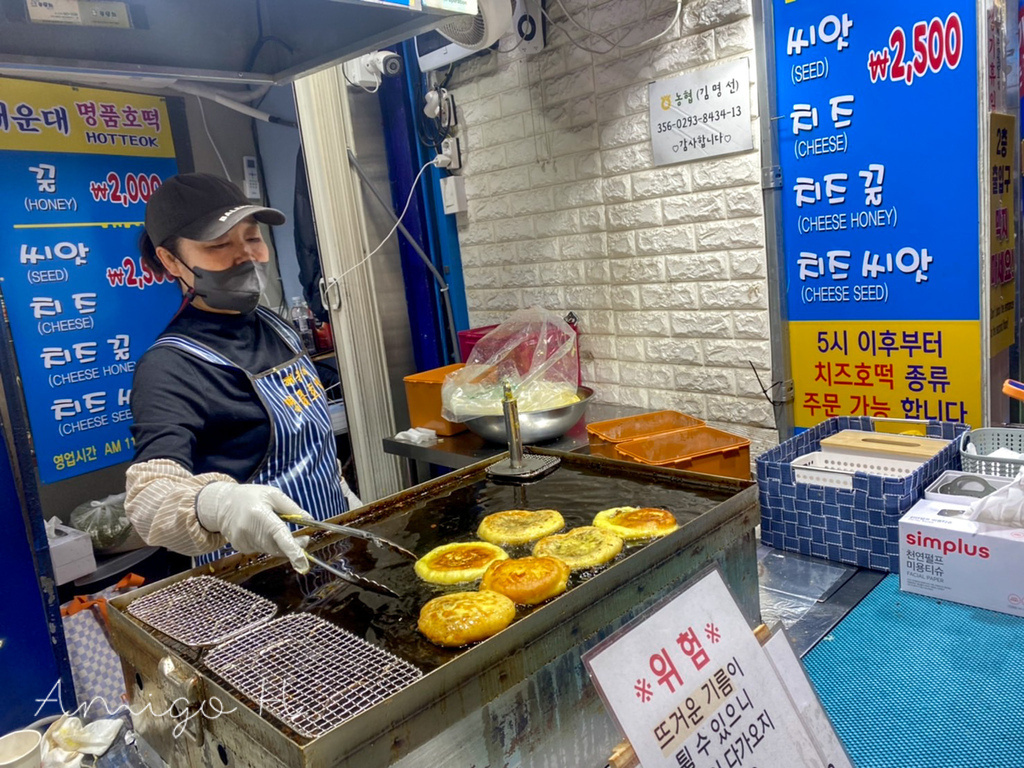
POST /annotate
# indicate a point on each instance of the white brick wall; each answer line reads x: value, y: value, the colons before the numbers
x: 665, y: 266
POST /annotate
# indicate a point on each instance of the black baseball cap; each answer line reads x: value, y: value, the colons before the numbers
x: 200, y: 206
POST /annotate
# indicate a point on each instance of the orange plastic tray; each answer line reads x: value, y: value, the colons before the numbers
x: 635, y: 427
x: 698, y: 449
x: 423, y: 392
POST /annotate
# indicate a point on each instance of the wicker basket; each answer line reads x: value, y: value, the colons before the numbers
x: 987, y: 440
x: 857, y: 525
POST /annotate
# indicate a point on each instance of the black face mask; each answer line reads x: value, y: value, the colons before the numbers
x: 235, y: 289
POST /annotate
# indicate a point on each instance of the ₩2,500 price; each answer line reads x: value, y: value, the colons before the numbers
x: 690, y: 121
x: 132, y: 274
x: 932, y: 45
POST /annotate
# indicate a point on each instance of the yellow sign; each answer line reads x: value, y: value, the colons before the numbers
x: 1002, y: 262
x: 47, y: 117
x: 915, y: 369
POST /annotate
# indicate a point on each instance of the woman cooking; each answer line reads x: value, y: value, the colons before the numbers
x: 230, y: 420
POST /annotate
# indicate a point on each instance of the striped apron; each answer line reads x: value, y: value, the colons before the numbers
x: 301, y: 459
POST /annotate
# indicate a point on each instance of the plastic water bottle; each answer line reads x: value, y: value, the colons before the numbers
x: 302, y: 319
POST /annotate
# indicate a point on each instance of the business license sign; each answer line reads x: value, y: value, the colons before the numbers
x: 878, y: 139
x: 78, y: 167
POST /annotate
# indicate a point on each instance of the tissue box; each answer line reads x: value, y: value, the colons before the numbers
x: 946, y: 556
x: 71, y: 554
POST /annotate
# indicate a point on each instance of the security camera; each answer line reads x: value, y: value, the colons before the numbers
x: 384, y: 63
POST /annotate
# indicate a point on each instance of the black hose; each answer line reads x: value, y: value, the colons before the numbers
x: 443, y: 286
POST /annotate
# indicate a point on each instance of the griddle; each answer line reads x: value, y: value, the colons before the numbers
x: 712, y: 513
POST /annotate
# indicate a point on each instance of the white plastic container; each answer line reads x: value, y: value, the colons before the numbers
x: 71, y: 555
x: 933, y: 492
x: 836, y: 470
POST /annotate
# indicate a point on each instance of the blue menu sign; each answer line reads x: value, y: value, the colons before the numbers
x: 78, y: 167
x: 879, y: 146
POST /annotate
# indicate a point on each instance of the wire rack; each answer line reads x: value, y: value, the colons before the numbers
x: 309, y: 673
x: 202, y: 610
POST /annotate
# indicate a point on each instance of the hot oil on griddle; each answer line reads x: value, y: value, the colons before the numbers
x: 578, y: 493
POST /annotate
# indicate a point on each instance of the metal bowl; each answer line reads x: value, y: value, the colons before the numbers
x: 534, y: 426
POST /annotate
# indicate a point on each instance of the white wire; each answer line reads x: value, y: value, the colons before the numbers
x: 401, y: 216
x: 613, y: 45
x: 519, y: 41
x: 572, y: 39
x: 213, y: 144
x: 570, y: 17
x: 376, y: 77
x: 665, y: 31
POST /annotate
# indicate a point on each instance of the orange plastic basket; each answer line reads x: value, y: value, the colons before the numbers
x: 423, y: 392
x: 698, y: 449
x: 605, y: 435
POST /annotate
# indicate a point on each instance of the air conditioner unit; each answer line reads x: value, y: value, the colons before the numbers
x: 435, y: 49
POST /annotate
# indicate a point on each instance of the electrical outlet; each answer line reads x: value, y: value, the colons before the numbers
x: 447, y: 114
x: 450, y: 147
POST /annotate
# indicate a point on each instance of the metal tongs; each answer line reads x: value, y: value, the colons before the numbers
x: 351, y: 576
x: 343, y: 573
x: 345, y: 530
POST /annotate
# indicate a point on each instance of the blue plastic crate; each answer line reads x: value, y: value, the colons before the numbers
x: 858, y: 526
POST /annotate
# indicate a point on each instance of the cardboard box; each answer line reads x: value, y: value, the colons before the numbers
x: 71, y: 554
x: 945, y: 555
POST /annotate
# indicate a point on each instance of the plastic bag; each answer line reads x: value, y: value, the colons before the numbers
x: 95, y: 665
x: 534, y: 351
x: 107, y: 524
x: 69, y: 740
x: 1004, y: 506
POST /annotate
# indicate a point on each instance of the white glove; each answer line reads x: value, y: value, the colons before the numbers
x: 247, y: 516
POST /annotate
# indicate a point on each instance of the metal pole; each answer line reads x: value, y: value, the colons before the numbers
x: 515, y: 441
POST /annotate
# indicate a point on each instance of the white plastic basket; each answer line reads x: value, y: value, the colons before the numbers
x: 987, y: 440
x: 836, y: 470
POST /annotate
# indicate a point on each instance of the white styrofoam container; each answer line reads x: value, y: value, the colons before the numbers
x: 932, y: 492
x: 836, y: 470
x: 71, y: 554
x: 945, y: 555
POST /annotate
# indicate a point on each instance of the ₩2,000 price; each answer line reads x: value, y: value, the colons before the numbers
x: 932, y: 45
x: 132, y: 188
x: 690, y: 121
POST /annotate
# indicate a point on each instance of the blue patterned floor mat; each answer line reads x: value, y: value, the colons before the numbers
x: 912, y: 682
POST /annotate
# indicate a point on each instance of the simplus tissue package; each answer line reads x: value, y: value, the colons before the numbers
x: 946, y: 555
